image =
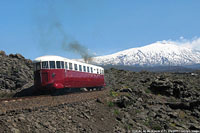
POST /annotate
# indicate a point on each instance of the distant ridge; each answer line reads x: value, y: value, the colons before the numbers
x: 163, y: 53
x: 177, y: 69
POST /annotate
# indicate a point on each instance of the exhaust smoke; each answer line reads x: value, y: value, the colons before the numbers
x: 51, y: 29
x: 74, y: 45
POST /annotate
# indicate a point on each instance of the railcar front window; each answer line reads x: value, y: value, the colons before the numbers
x: 97, y: 71
x: 52, y: 64
x: 45, y: 65
x: 38, y: 66
x: 58, y: 64
x: 62, y: 64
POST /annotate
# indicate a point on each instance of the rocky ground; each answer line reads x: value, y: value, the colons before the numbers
x: 134, y: 101
x: 156, y: 100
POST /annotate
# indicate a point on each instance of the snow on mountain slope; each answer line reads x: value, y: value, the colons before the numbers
x: 163, y: 53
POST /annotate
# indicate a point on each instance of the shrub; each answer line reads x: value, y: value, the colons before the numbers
x: 116, y: 112
x: 147, y: 91
x: 110, y: 104
x: 113, y: 94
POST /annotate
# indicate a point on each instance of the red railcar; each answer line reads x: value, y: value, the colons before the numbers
x: 55, y: 72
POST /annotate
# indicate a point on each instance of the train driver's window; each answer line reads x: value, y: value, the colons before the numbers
x: 58, y: 64
x: 76, y: 67
x: 52, y: 64
x: 45, y: 65
x: 70, y: 66
x: 66, y: 65
x: 84, y: 68
x: 80, y: 68
x: 91, y: 70
x: 62, y: 64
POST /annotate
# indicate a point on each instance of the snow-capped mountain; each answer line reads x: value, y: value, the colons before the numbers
x: 163, y: 53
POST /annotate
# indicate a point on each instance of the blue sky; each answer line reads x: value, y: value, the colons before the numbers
x: 102, y: 26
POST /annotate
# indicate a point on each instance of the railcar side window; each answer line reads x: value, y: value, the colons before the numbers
x: 91, y: 70
x: 80, y: 68
x: 52, y: 64
x: 66, y: 65
x: 102, y: 72
x: 58, y: 64
x: 88, y: 69
x: 45, y: 65
x: 38, y: 66
x: 70, y: 66
x: 84, y: 68
x: 62, y: 64
x: 76, y: 67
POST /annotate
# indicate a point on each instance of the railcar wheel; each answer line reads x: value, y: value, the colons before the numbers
x: 99, y: 88
x: 90, y: 89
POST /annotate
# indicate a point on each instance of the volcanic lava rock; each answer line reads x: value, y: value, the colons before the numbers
x: 162, y: 86
x: 16, y: 72
x: 167, y: 87
x: 123, y: 101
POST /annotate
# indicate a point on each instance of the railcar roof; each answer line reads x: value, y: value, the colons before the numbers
x: 59, y: 58
x: 49, y: 57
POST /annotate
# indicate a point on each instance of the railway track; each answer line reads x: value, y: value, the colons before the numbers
x: 14, y: 99
x: 32, y: 102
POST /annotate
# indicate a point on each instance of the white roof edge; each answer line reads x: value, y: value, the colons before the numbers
x: 59, y: 58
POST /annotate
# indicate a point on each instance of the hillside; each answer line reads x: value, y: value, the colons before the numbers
x: 163, y: 53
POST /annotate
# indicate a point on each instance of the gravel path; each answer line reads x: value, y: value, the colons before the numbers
x: 42, y: 101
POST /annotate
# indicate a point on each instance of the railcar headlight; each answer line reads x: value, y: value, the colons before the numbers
x: 53, y: 75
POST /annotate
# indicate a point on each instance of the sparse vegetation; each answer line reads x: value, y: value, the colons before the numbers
x: 116, y: 111
x: 147, y: 90
x: 110, y: 104
x: 113, y: 93
x: 156, y: 127
x: 128, y: 127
